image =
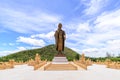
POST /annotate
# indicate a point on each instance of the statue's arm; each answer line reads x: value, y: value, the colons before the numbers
x: 55, y: 34
x: 64, y: 34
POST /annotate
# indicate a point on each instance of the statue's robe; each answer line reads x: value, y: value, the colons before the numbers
x: 60, y: 40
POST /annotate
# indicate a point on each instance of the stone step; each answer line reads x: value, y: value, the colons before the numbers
x: 60, y: 59
x: 61, y: 67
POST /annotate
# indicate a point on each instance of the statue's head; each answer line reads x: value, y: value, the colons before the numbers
x: 59, y: 26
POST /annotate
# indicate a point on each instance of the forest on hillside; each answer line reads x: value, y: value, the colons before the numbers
x: 46, y: 53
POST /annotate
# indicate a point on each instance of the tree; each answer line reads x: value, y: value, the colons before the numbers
x: 77, y: 56
x: 119, y: 55
x: 108, y: 55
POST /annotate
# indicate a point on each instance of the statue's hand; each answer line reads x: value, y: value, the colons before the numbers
x: 64, y: 37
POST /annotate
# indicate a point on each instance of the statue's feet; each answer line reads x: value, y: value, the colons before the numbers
x: 60, y: 55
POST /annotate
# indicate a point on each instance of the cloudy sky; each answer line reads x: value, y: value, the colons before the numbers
x: 92, y: 26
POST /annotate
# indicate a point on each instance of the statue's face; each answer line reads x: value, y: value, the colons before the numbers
x: 60, y: 26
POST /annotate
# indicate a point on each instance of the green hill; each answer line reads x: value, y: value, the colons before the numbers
x: 46, y: 52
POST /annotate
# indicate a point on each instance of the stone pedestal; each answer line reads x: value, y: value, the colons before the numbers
x: 60, y: 60
x: 60, y: 63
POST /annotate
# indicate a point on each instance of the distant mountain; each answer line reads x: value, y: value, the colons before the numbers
x: 46, y: 52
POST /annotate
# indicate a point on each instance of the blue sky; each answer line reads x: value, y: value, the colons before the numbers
x: 92, y: 26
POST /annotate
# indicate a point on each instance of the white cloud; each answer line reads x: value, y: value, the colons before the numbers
x: 83, y: 27
x: 75, y: 49
x: 104, y: 35
x: 90, y: 50
x: 27, y: 23
x: 49, y: 35
x: 75, y: 31
x: 94, y: 6
x: 108, y: 21
x: 107, y: 28
x: 11, y: 44
x: 4, y: 53
x: 34, y: 47
x: 117, y: 42
x: 31, y: 41
x: 36, y: 40
x: 113, y: 45
x: 21, y: 48
x: 49, y: 18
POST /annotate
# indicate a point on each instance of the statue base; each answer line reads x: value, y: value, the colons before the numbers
x: 60, y: 55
